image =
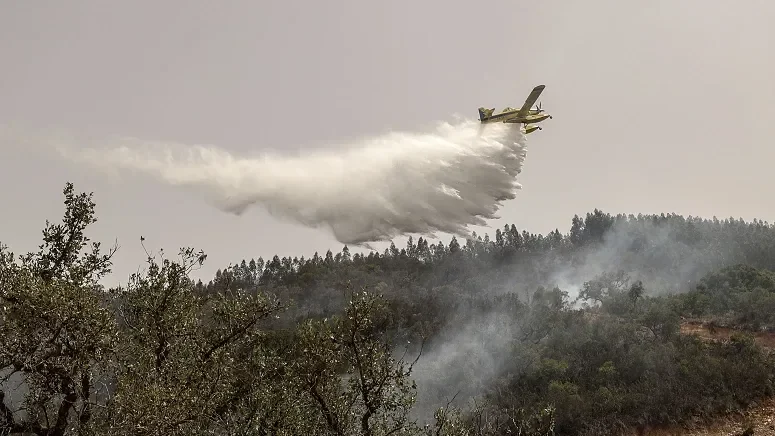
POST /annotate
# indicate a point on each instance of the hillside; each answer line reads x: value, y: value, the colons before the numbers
x: 623, y: 322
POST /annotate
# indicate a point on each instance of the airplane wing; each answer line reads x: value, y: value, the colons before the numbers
x: 531, y: 100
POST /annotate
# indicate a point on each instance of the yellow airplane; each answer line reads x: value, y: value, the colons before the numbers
x: 524, y: 115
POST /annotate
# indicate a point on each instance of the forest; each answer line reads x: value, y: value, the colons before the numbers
x: 518, y: 333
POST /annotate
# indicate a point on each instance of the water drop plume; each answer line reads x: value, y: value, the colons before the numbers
x: 369, y: 190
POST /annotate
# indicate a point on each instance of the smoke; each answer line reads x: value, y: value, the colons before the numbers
x: 472, y: 353
x: 371, y: 190
x: 666, y: 256
x: 477, y: 347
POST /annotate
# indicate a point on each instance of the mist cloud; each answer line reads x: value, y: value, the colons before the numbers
x: 364, y: 191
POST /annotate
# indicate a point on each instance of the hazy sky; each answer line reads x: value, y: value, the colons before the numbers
x: 659, y: 106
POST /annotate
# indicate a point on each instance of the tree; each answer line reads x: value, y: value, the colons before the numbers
x: 378, y: 393
x: 604, y: 285
x: 636, y: 292
x: 56, y: 330
x: 186, y: 361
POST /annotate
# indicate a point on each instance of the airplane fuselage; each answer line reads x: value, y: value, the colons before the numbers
x: 530, y: 119
x: 514, y: 117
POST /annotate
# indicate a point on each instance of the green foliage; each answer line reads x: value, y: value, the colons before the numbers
x: 56, y: 333
x: 277, y: 347
x: 182, y: 354
x: 739, y: 295
x: 377, y: 394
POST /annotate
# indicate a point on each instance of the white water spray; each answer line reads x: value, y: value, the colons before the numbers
x: 372, y: 190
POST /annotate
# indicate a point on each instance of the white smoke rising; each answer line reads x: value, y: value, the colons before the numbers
x: 371, y: 190
x: 472, y: 355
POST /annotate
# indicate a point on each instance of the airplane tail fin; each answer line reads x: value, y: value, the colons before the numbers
x: 485, y: 113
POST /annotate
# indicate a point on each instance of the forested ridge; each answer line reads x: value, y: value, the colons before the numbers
x: 574, y: 333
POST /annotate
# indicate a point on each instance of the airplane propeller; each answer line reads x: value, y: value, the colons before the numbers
x: 538, y: 107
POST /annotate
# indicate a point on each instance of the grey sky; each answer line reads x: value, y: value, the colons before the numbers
x: 659, y: 106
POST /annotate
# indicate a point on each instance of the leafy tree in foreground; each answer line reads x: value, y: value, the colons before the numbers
x: 183, y: 361
x: 56, y: 332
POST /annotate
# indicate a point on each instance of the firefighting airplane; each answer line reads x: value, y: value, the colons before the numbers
x: 524, y: 115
